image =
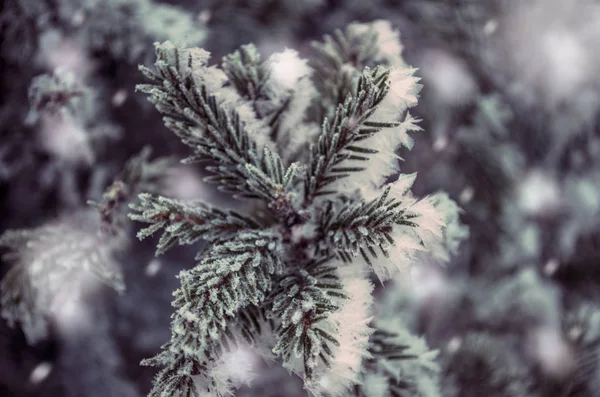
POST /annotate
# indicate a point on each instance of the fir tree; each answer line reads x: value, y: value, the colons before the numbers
x: 325, y: 215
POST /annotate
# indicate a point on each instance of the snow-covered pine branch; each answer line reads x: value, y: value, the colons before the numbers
x: 186, y: 223
x: 339, y: 62
x: 338, y: 139
x: 324, y: 226
x: 217, y: 124
x: 280, y: 91
x: 233, y: 274
x: 363, y: 228
x: 399, y: 363
x: 303, y: 302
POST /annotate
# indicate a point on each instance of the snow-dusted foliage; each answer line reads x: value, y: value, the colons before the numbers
x: 359, y: 46
x: 399, y: 362
x: 351, y: 327
x: 507, y: 124
x: 134, y: 24
x: 52, y: 264
x: 297, y: 267
x: 66, y: 112
x: 48, y: 259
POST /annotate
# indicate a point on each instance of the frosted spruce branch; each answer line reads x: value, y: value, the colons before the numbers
x: 339, y: 136
x: 346, y: 47
x: 233, y: 274
x: 302, y: 304
x: 296, y: 280
x: 186, y: 223
x: 217, y: 132
x: 363, y: 228
x: 398, y: 364
x: 280, y: 91
x: 250, y: 76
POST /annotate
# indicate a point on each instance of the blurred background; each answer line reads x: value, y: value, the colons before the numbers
x: 511, y: 131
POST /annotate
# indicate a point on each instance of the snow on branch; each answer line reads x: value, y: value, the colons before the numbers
x: 67, y: 251
x: 339, y: 137
x: 232, y: 275
x: 300, y: 270
x: 221, y: 131
x: 303, y: 303
x: 186, y: 223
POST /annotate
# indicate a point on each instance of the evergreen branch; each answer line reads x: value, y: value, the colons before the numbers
x: 45, y: 260
x: 349, y: 126
x: 233, y: 274
x: 18, y: 300
x: 252, y: 79
x: 215, y: 131
x: 303, y: 303
x: 176, y: 379
x: 231, y: 117
x: 186, y: 223
x: 403, y: 361
x: 252, y: 322
x: 247, y: 73
x: 247, y: 326
x: 363, y: 228
x: 215, y: 136
x: 384, y: 345
x: 347, y: 47
x: 139, y: 174
x: 177, y: 376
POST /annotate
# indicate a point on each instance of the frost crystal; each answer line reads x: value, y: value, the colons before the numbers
x: 351, y: 326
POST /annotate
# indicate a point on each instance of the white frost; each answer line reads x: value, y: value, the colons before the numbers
x: 231, y: 371
x: 403, y: 94
x: 380, y: 165
x: 539, y: 194
x: 388, y: 41
x: 409, y: 241
x: 287, y: 68
x: 350, y: 325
